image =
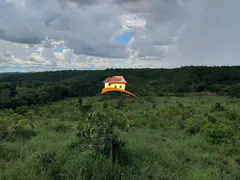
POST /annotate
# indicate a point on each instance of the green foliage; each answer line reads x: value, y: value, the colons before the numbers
x: 105, y: 105
x: 46, y: 157
x: 41, y: 88
x: 218, y: 133
x: 194, y: 125
x: 121, y: 103
x: 22, y: 110
x: 171, y: 113
x: 60, y: 127
x: 99, y: 129
x: 23, y: 129
x: 5, y: 96
x: 234, y: 90
x: 148, y: 119
x: 80, y: 101
x: 86, y: 108
x: 47, y: 162
x: 175, y: 140
x: 218, y: 107
x: 232, y: 115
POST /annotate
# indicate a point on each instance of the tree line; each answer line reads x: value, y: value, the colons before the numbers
x: 24, y: 89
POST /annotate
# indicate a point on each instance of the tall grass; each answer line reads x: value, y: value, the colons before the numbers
x: 162, y: 144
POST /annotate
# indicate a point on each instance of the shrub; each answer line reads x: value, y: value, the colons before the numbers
x: 154, y: 105
x: 234, y: 90
x: 217, y: 133
x: 12, y: 130
x: 22, y: 110
x: 46, y: 157
x: 20, y: 131
x: 218, y: 107
x: 148, y: 118
x: 171, y: 112
x: 232, y: 115
x: 105, y: 105
x: 99, y: 130
x: 48, y: 163
x: 160, y: 93
x: 194, y: 125
x: 86, y: 108
x: 80, y: 101
x: 120, y: 104
x: 211, y: 119
x: 3, y: 130
x: 60, y: 127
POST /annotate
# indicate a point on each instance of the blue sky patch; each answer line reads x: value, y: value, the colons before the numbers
x: 123, y: 39
x: 58, y: 49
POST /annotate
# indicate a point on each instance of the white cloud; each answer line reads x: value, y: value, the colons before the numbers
x: 165, y: 33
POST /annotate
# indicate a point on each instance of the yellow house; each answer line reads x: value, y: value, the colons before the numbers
x: 115, y: 82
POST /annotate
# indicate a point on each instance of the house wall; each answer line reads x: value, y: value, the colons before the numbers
x: 118, y: 85
x: 106, y: 85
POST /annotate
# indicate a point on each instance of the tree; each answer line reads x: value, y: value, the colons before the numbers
x: 234, y: 90
x: 99, y: 132
x: 5, y: 97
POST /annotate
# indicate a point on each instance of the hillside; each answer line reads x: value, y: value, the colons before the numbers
x: 42, y: 87
x: 170, y: 138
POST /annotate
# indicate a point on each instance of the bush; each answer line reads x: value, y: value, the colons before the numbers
x: 218, y: 107
x: 148, y: 118
x: 171, y: 112
x: 121, y: 104
x: 60, y: 127
x: 234, y: 90
x: 20, y: 131
x: 48, y: 163
x: 194, y: 125
x: 80, y: 101
x: 217, y: 133
x: 99, y: 130
x: 46, y: 157
x: 22, y: 110
x: 12, y: 130
x: 86, y: 108
x: 160, y: 93
x: 232, y: 115
x: 105, y: 105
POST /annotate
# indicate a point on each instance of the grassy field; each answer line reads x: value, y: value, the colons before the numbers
x: 189, y: 138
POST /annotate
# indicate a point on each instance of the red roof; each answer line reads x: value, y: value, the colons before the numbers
x: 115, y: 79
x: 107, y: 79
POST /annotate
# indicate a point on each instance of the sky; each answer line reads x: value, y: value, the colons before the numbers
x: 51, y: 35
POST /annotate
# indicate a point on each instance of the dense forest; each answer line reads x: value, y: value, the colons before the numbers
x: 23, y: 89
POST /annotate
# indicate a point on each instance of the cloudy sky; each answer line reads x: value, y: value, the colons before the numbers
x: 44, y: 35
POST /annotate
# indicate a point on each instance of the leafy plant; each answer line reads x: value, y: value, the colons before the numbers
x: 193, y: 125
x: 218, y: 133
x: 19, y: 129
x: 232, y: 115
x: 100, y: 131
x: 86, y: 108
x: 218, y: 107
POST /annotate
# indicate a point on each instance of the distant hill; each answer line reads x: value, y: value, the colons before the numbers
x: 19, y: 89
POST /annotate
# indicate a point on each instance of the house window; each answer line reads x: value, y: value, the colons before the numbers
x: 120, y: 86
x: 115, y: 86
